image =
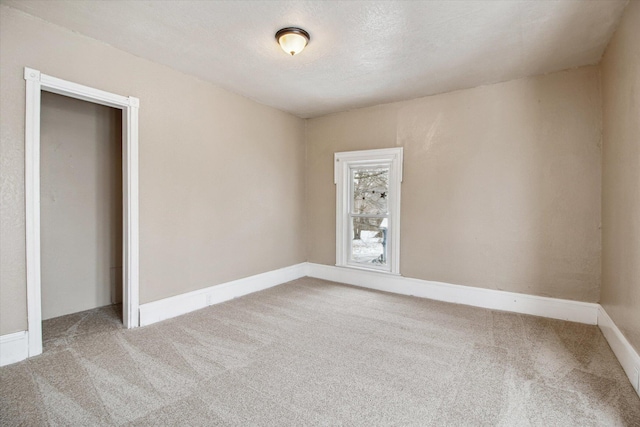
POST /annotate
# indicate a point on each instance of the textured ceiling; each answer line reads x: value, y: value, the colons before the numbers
x: 360, y: 54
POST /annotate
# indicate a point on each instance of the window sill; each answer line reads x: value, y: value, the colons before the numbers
x: 372, y: 270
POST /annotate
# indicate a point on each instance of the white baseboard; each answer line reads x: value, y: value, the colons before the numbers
x: 184, y: 303
x: 574, y: 311
x: 622, y: 348
x: 14, y: 347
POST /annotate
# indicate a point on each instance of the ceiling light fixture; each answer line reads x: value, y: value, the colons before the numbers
x: 292, y: 39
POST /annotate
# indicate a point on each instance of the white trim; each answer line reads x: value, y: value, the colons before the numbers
x: 574, y: 311
x: 184, y: 303
x: 35, y: 83
x: 554, y: 308
x: 14, y: 347
x: 622, y: 348
x: 32, y: 209
x: 382, y: 154
x: 130, y: 222
x: 343, y: 161
x: 85, y: 93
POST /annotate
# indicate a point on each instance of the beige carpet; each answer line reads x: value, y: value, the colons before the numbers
x: 312, y: 352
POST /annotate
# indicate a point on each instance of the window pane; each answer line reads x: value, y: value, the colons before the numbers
x: 370, y: 191
x: 369, y: 241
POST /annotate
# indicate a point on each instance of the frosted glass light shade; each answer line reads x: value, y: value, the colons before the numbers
x: 292, y: 40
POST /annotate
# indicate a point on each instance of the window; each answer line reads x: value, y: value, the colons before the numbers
x: 368, y: 209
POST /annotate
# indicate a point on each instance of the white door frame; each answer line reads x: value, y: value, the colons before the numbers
x: 37, y: 82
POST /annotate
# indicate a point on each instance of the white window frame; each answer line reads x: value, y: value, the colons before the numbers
x: 344, y: 162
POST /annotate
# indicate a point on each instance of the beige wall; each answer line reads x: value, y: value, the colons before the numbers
x: 621, y: 176
x: 221, y: 177
x: 80, y: 204
x: 501, y: 183
x: 501, y: 187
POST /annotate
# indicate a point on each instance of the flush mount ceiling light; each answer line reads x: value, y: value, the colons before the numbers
x: 292, y: 39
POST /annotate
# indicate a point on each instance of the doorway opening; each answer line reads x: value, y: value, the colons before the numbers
x: 124, y: 275
x: 80, y: 217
